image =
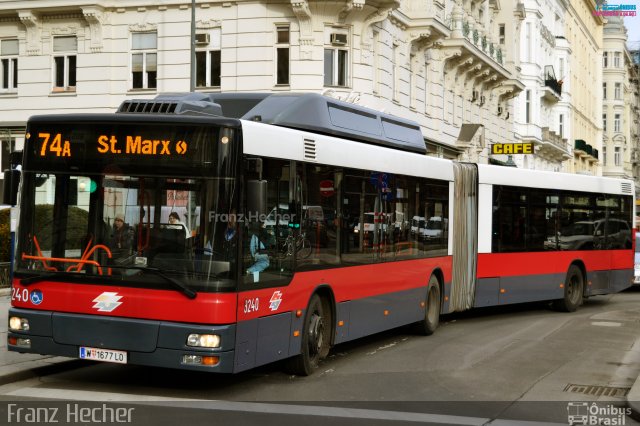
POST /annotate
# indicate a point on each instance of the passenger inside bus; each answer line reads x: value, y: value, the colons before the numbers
x: 175, y: 222
x: 257, y: 249
x: 121, y: 238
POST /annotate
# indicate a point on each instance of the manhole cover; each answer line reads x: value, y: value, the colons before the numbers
x: 595, y: 390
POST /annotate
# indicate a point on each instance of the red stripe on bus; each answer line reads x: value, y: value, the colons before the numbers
x: 541, y: 263
x: 151, y: 304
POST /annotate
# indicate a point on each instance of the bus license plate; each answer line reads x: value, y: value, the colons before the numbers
x: 105, y: 355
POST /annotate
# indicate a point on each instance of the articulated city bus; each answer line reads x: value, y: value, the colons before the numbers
x: 223, y: 232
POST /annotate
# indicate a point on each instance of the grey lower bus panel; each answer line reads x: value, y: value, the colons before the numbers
x: 163, y: 343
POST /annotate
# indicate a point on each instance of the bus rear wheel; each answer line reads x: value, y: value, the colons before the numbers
x: 316, y: 337
x: 428, y: 325
x: 573, y: 291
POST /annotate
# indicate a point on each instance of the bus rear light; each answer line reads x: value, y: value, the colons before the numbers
x: 200, y: 360
x: 19, y: 341
x: 203, y: 340
x: 18, y: 324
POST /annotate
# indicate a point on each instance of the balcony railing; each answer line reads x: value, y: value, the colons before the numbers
x: 554, y: 84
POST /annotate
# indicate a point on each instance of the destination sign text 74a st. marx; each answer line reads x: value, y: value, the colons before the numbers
x: 137, y: 145
x: 56, y: 145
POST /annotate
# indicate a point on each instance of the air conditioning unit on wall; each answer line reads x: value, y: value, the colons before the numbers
x: 202, y: 39
x: 338, y: 39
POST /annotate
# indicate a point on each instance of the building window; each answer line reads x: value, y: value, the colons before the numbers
x: 376, y: 62
x: 528, y: 42
x: 616, y: 123
x: 604, y: 155
x: 618, y: 91
x: 561, y: 125
x: 501, y: 34
x: 282, y: 55
x: 604, y: 90
x: 605, y: 59
x: 65, y: 49
x: 208, y: 59
x: 616, y: 60
x: 9, y: 70
x: 394, y: 72
x: 561, y: 69
x: 335, y: 67
x: 604, y: 122
x: 144, y: 60
x: 527, y: 117
x: 616, y: 156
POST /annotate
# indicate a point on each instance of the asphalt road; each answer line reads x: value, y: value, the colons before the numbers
x: 495, y: 365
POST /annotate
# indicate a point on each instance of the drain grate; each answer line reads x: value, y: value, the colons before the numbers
x: 594, y: 390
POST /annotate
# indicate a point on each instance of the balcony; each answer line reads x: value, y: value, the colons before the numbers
x: 553, y: 146
x: 552, y: 90
x: 586, y: 151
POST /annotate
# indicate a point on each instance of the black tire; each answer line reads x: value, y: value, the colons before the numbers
x: 428, y: 325
x: 573, y: 291
x: 316, y: 338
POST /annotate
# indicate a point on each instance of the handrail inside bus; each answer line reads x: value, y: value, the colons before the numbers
x: 77, y: 263
x: 45, y: 265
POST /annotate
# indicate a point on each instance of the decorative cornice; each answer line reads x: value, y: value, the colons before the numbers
x: 416, y: 39
x: 305, y: 21
x: 95, y: 18
x: 208, y: 24
x: 351, y: 6
x: 366, y: 37
x: 140, y: 28
x: 30, y: 21
x: 58, y: 16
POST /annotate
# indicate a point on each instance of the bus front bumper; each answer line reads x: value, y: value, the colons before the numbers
x: 145, y: 342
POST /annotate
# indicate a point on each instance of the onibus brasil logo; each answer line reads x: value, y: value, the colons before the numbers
x: 583, y: 413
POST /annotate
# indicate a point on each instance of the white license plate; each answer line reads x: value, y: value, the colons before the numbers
x: 105, y: 355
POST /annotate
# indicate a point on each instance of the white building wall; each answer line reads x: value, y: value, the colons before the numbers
x: 405, y: 73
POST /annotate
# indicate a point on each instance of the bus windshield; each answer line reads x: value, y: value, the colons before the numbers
x: 100, y: 218
x: 121, y: 228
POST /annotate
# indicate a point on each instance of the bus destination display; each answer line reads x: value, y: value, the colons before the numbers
x: 56, y: 145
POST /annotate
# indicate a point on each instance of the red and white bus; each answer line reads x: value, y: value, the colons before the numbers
x: 101, y: 273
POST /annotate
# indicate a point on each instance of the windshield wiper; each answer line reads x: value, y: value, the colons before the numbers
x: 48, y: 276
x: 174, y: 282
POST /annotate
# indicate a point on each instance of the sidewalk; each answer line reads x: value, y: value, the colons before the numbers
x: 15, y: 366
x: 633, y: 399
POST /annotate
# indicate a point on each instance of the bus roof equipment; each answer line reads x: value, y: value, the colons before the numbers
x: 302, y: 111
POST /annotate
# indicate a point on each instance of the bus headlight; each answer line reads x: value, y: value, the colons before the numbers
x: 204, y: 340
x: 18, y: 324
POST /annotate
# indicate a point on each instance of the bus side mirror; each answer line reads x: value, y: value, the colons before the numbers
x: 256, y: 199
x: 10, y: 187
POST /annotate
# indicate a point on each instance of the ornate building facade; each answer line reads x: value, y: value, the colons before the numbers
x: 446, y: 64
x: 617, y: 92
x: 583, y: 32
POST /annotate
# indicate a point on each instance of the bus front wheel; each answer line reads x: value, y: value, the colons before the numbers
x: 573, y: 291
x: 316, y: 337
x: 428, y: 325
